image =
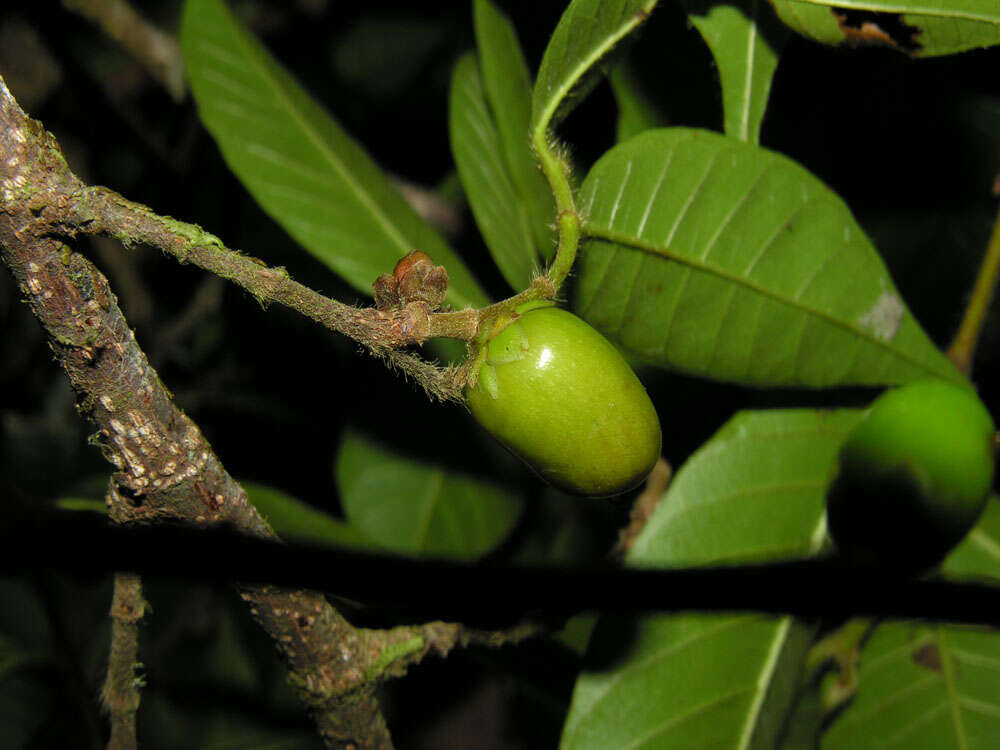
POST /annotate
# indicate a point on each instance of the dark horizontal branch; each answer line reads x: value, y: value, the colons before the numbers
x: 491, y: 594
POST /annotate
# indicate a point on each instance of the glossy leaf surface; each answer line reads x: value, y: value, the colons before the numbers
x: 416, y: 508
x: 754, y: 492
x: 586, y: 34
x: 728, y: 261
x: 930, y: 687
x: 507, y: 84
x: 479, y: 156
x: 296, y: 521
x: 745, y: 41
x: 303, y: 169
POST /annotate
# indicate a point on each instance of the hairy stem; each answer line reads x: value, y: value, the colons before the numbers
x: 556, y: 171
x: 98, y: 210
x: 60, y: 205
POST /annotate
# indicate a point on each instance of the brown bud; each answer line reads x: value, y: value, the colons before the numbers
x: 386, y: 292
x: 424, y: 283
x: 415, y: 279
x: 409, y: 261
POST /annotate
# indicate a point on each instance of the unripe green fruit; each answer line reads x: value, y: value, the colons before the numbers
x: 914, y: 476
x: 558, y: 395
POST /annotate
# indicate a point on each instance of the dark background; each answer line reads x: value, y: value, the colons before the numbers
x: 912, y: 146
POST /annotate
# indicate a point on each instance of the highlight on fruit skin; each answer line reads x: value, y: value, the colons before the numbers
x: 914, y: 476
x: 559, y: 396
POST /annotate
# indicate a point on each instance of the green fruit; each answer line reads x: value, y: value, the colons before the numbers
x: 913, y: 476
x: 560, y: 397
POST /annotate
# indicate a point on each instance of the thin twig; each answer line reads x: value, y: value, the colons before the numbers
x: 61, y: 205
x: 121, y: 692
x: 643, y: 507
x: 963, y: 347
x: 97, y: 210
x: 158, y: 52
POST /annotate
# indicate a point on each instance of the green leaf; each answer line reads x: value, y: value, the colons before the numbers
x: 933, y: 687
x: 745, y: 42
x: 587, y: 32
x: 412, y: 507
x: 802, y: 726
x: 754, y: 492
x: 81, y: 504
x: 478, y: 152
x: 227, y: 662
x: 813, y: 21
x: 303, y: 169
x: 636, y: 111
x: 973, y: 10
x: 936, y: 27
x: 507, y: 83
x: 295, y: 521
x: 728, y: 261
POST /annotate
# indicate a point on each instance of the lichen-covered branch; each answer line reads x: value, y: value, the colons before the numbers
x: 120, y: 694
x: 165, y: 468
x: 97, y: 210
x: 62, y: 206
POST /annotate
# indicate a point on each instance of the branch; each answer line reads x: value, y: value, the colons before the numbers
x: 497, y: 596
x: 643, y: 507
x: 158, y: 52
x: 97, y: 210
x: 120, y: 694
x: 61, y: 205
x: 166, y: 470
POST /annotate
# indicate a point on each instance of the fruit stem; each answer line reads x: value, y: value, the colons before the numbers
x: 556, y: 171
x: 545, y: 286
x: 963, y: 347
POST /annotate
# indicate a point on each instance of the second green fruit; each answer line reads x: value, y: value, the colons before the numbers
x: 914, y: 475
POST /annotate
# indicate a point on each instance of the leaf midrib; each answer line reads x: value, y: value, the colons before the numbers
x: 299, y: 118
x: 593, y: 232
x: 431, y: 498
x: 951, y: 688
x: 578, y: 71
x: 744, y: 133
